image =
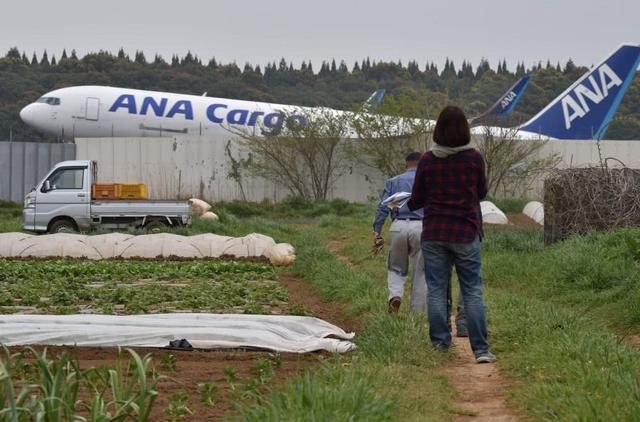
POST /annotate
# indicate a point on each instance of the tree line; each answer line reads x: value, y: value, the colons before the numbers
x: 423, y: 90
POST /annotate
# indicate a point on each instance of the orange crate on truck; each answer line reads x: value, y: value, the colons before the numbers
x: 131, y: 191
x: 104, y: 190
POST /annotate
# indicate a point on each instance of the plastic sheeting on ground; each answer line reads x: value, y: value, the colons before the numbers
x: 118, y: 245
x: 491, y: 214
x: 295, y: 334
x: 535, y: 211
x: 198, y: 206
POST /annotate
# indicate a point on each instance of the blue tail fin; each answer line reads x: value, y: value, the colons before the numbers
x: 373, y: 101
x: 505, y: 105
x: 585, y: 109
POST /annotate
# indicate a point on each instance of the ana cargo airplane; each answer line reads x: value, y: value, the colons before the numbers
x: 583, y: 111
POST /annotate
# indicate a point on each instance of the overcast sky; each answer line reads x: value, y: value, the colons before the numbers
x: 262, y: 31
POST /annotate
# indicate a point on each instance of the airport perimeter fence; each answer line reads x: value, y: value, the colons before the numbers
x: 23, y: 164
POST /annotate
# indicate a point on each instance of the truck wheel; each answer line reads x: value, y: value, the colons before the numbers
x: 155, y: 226
x: 63, y: 226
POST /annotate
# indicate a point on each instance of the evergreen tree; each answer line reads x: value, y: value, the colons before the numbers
x: 140, y: 58
x: 412, y: 67
x: 64, y: 54
x: 569, y: 67
x: 334, y: 68
x: 14, y: 53
x: 282, y: 66
x: 53, y: 60
x: 324, y: 69
x: 449, y: 70
x: 483, y: 68
x: 25, y: 59
x: 212, y: 63
x: 122, y: 55
x: 247, y: 68
x: 467, y: 71
x: 34, y: 59
x: 44, y: 61
x: 187, y: 59
x: 158, y: 60
x: 175, y: 61
x: 74, y: 56
x: 343, y: 67
x: 257, y: 70
x: 310, y: 67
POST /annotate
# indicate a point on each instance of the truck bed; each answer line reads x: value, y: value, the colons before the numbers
x: 138, y: 207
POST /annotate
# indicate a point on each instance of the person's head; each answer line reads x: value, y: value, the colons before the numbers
x: 452, y: 128
x: 411, y: 160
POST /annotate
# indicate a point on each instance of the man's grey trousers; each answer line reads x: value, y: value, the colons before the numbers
x: 404, y: 248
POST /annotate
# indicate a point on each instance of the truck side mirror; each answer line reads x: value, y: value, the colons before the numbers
x: 46, y: 187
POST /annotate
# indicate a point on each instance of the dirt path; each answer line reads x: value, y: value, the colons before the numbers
x: 633, y: 340
x: 481, y: 390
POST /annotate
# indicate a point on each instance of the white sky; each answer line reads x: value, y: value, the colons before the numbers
x: 261, y: 31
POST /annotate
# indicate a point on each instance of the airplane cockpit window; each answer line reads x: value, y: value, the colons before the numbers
x: 49, y: 100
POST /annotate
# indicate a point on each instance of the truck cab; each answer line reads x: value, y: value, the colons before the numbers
x: 62, y: 202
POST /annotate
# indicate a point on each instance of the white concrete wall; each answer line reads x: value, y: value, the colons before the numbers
x: 187, y: 167
x: 174, y: 167
x: 577, y: 154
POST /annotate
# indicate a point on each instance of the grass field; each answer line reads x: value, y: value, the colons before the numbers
x: 558, y: 317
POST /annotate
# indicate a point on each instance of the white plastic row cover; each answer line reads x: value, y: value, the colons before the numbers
x: 535, y: 211
x: 119, y: 245
x: 283, y: 333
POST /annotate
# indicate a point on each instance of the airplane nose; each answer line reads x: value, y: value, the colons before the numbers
x: 27, y: 114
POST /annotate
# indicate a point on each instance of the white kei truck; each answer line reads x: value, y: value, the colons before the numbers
x: 62, y: 202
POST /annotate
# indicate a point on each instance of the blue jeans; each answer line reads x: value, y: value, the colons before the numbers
x: 437, y: 259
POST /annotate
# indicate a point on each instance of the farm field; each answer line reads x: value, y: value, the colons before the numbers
x: 562, y: 320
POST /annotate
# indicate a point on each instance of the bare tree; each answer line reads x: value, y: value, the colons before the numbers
x: 512, y: 163
x: 387, y: 135
x: 305, y: 153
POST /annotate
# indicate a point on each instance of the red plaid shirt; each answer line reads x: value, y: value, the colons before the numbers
x: 450, y: 189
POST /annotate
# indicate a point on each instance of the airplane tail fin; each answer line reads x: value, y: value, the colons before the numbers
x: 584, y: 110
x: 373, y: 101
x: 505, y: 104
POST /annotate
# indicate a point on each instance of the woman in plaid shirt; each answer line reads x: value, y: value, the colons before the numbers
x: 449, y: 185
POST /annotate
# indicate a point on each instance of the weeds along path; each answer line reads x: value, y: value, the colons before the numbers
x: 481, y: 390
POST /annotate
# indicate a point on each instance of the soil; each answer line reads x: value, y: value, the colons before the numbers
x: 194, y: 367
x: 303, y: 294
x: 520, y: 221
x: 481, y: 390
x: 633, y: 340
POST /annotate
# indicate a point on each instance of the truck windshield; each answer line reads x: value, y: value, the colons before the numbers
x: 69, y: 178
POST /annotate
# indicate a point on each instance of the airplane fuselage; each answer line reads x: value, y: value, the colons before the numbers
x: 101, y: 111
